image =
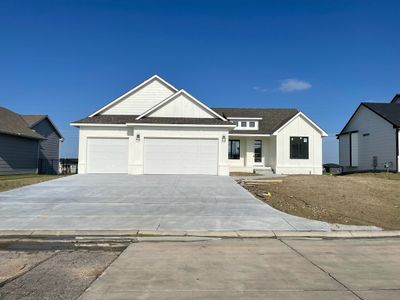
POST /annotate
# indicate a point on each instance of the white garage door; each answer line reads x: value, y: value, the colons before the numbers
x: 107, y: 155
x: 180, y: 156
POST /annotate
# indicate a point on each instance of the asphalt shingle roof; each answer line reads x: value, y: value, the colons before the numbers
x: 12, y: 123
x: 272, y: 118
x: 123, y: 119
x: 389, y: 111
x: 32, y: 120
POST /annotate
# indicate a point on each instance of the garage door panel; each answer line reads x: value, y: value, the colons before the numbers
x: 107, y: 155
x: 181, y: 156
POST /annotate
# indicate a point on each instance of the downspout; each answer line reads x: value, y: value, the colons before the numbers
x: 38, y: 157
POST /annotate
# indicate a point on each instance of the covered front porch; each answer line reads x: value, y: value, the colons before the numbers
x: 256, y: 153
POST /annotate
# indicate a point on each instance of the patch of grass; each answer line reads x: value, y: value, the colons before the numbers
x: 9, y: 182
x: 357, y: 199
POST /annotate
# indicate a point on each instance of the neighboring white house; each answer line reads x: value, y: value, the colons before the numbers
x: 370, y: 139
x: 157, y: 129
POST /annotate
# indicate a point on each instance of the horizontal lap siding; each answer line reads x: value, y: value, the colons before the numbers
x: 376, y: 137
x: 18, y: 155
x: 50, y: 147
x: 49, y: 150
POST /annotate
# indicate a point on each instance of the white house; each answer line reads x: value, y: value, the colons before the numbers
x: 370, y: 139
x: 157, y: 129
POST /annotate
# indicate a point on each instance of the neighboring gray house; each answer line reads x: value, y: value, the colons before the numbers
x: 370, y: 139
x: 28, y: 144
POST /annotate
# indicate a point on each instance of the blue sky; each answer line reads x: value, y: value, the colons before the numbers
x: 68, y: 58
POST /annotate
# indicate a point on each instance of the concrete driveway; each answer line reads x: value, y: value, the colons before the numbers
x: 148, y: 202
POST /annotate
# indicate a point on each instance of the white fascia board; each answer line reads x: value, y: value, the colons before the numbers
x: 96, y: 125
x: 235, y: 118
x: 133, y: 90
x: 249, y: 134
x: 180, y: 92
x: 177, y: 125
x: 323, y: 133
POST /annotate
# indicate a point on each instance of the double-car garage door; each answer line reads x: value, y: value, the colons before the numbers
x: 160, y: 156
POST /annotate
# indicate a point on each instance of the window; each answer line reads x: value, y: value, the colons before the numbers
x: 252, y: 124
x: 236, y: 123
x: 243, y: 124
x: 298, y: 147
x: 234, y: 149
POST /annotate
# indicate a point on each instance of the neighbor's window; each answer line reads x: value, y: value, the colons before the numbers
x: 243, y: 124
x: 299, y: 147
x: 252, y: 124
x: 234, y: 149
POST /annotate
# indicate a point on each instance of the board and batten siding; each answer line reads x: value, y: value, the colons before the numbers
x: 376, y: 137
x: 299, y: 127
x: 141, y: 100
x: 181, y: 107
x: 18, y: 155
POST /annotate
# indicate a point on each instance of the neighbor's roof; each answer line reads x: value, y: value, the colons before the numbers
x: 13, y: 124
x: 389, y: 111
x: 272, y: 118
x: 32, y: 120
x: 123, y: 119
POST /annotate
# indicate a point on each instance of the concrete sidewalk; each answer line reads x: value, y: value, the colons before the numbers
x: 254, y: 269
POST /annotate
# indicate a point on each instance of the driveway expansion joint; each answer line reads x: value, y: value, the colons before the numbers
x: 320, y: 268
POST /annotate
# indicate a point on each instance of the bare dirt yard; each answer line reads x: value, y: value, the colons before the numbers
x: 9, y: 182
x: 357, y: 199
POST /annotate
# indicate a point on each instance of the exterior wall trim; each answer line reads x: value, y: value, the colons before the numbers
x: 323, y: 133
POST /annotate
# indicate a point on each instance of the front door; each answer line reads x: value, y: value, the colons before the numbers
x: 257, y: 151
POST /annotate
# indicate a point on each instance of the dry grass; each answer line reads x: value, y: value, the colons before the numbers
x: 359, y: 199
x: 9, y: 182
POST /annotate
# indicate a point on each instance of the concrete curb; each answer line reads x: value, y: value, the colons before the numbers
x: 107, y: 234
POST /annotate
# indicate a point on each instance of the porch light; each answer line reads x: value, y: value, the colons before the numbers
x: 138, y: 137
x: 223, y: 139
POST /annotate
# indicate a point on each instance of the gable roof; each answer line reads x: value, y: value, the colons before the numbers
x: 387, y: 111
x: 272, y: 118
x: 134, y: 89
x: 33, y: 120
x: 172, y: 97
x: 396, y: 99
x: 13, y: 124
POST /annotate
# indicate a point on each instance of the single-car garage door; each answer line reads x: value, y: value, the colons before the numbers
x: 180, y: 156
x: 107, y: 155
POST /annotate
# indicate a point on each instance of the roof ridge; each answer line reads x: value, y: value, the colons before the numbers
x: 277, y: 108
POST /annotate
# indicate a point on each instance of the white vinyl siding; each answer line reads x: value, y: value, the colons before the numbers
x: 180, y: 156
x: 376, y: 137
x: 181, y: 107
x: 107, y: 155
x: 141, y: 100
